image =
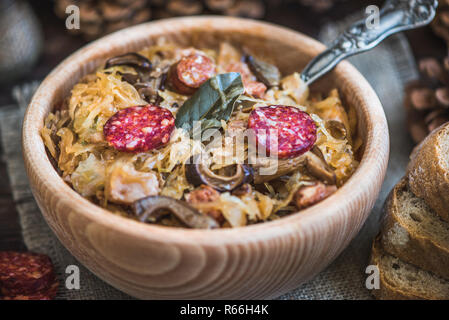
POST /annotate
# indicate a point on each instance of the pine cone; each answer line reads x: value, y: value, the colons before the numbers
x: 243, y: 8
x: 427, y: 100
x: 99, y: 17
x: 440, y: 24
x: 319, y: 5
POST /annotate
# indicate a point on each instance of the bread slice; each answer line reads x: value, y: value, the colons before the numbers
x: 428, y: 171
x: 402, y: 281
x: 414, y: 233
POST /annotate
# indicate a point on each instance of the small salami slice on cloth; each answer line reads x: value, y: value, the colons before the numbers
x: 43, y: 294
x: 26, y: 276
x: 191, y: 72
x: 139, y: 128
x: 290, y: 129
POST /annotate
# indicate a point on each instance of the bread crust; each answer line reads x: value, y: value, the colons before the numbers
x: 418, y: 249
x: 386, y: 291
x: 427, y: 173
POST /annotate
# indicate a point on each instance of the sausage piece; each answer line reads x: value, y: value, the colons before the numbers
x: 252, y: 86
x: 190, y: 73
x: 43, y: 294
x: 255, y: 89
x: 202, y: 194
x: 206, y: 194
x: 309, y: 195
x: 25, y: 274
x: 292, y: 130
x: 139, y: 128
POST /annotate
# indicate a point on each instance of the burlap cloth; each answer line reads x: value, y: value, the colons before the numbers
x: 387, y: 68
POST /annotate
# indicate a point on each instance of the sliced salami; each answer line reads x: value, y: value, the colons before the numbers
x: 43, y: 294
x: 191, y: 72
x: 292, y: 129
x: 139, y: 128
x: 25, y: 273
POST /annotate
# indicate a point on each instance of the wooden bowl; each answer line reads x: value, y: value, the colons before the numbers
x: 258, y: 261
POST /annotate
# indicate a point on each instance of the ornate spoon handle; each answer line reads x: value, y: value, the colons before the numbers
x: 395, y: 16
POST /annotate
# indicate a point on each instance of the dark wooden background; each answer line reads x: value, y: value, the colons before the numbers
x: 58, y: 45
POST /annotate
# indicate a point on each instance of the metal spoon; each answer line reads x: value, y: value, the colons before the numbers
x: 395, y: 16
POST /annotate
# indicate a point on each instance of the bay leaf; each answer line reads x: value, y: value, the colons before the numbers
x: 212, y: 102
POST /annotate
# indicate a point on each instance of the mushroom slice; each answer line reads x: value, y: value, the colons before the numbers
x: 312, y: 160
x: 198, y: 173
x: 151, y: 209
x: 318, y: 167
x: 147, y: 90
x: 336, y: 128
x: 129, y: 77
x: 266, y: 73
x: 284, y: 166
x: 131, y: 59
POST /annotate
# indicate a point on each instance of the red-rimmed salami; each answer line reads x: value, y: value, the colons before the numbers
x: 139, y: 128
x: 43, y: 294
x: 25, y: 274
x: 293, y: 129
x: 191, y: 72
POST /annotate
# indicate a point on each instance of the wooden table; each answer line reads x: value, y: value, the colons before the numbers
x: 59, y: 45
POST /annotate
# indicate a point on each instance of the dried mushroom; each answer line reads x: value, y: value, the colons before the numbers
x: 317, y: 167
x: 147, y: 90
x: 153, y: 208
x: 131, y: 59
x: 312, y: 161
x: 266, y: 73
x: 130, y: 77
x: 337, y: 129
x: 243, y: 190
x: 279, y: 168
x: 147, y: 81
x: 198, y: 173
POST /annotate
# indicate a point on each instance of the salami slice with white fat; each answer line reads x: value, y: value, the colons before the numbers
x: 139, y: 128
x: 191, y: 72
x: 26, y: 276
x: 43, y: 294
x: 283, y: 130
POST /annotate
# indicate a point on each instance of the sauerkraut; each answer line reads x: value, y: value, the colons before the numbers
x: 114, y: 180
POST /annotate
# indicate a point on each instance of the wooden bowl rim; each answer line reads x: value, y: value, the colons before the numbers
x: 346, y: 196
